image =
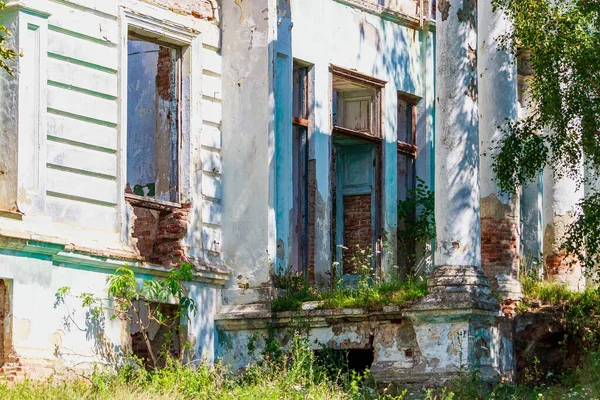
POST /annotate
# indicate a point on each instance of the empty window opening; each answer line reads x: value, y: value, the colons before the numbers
x: 407, y: 153
x: 356, y: 103
x: 153, y: 115
x: 356, y: 171
x: 300, y: 115
x: 164, y: 336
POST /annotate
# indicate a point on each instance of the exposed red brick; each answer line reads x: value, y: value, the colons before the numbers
x: 358, y: 230
x: 500, y: 247
x: 158, y: 234
x: 163, y: 74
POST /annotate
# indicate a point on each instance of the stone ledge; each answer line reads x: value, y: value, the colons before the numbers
x: 259, y: 316
x: 68, y: 254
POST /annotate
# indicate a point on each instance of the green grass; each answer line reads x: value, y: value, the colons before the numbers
x: 374, y: 296
x: 299, y: 375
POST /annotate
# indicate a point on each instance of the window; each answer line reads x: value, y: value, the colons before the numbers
x: 355, y: 168
x: 300, y: 115
x: 356, y: 103
x: 407, y: 154
x: 407, y: 149
x: 153, y: 118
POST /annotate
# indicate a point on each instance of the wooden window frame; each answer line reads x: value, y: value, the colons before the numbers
x: 410, y: 149
x: 365, y: 80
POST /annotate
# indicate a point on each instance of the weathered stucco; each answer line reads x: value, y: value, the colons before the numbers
x: 457, y: 145
x: 560, y: 200
x: 248, y: 240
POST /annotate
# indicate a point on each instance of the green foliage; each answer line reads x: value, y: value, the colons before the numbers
x: 373, y: 296
x: 6, y: 53
x: 561, y: 129
x: 140, y: 305
x: 367, y: 291
x: 300, y: 375
x: 583, y: 237
x: 582, y: 309
x: 415, y: 221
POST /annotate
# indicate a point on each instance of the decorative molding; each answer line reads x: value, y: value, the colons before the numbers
x: 385, y: 13
x: 164, y: 29
x: 357, y: 76
x: 22, y: 6
x: 71, y: 255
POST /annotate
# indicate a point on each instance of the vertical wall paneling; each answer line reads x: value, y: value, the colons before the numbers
x: 33, y: 39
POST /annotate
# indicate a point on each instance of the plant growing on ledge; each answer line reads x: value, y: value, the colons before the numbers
x: 146, y: 306
x: 416, y: 222
x: 367, y: 292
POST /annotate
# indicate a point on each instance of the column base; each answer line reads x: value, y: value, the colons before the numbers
x: 457, y: 287
x: 457, y: 327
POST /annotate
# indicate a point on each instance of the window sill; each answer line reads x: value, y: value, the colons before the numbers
x: 11, y: 214
x: 409, y: 149
x: 146, y: 202
x: 339, y: 130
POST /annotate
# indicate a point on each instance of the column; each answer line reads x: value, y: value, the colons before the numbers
x: 457, y: 213
x: 500, y: 213
x: 560, y: 199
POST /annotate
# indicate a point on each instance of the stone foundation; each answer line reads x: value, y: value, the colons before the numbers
x: 412, y: 346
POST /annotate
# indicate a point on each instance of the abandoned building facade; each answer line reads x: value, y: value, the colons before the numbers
x: 254, y: 138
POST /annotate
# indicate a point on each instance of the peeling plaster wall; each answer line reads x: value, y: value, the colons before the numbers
x: 497, y: 102
x: 249, y: 235
x: 68, y: 179
x: 48, y: 335
x: 205, y: 9
x: 560, y: 198
x: 406, y: 353
x: 67, y: 155
x: 328, y: 32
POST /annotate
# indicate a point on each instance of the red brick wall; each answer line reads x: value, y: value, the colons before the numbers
x: 197, y: 8
x: 158, y: 234
x: 500, y: 247
x: 559, y: 265
x: 357, y: 226
x: 163, y: 74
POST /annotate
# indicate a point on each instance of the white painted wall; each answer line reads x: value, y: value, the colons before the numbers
x: 48, y: 332
x: 72, y: 106
x: 69, y: 177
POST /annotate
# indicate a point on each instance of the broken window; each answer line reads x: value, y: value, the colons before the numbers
x: 355, y: 103
x: 300, y: 115
x: 159, y: 223
x: 407, y: 153
x: 356, y: 115
x: 153, y: 92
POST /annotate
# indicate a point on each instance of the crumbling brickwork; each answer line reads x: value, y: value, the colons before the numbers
x: 204, y: 9
x: 163, y: 75
x: 358, y: 229
x: 499, y: 247
x: 500, y: 237
x: 159, y: 233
